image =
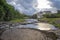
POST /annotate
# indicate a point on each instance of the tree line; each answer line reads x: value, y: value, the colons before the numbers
x: 50, y: 15
x: 7, y: 12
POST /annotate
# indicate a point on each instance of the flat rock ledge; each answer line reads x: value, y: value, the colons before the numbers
x: 27, y: 34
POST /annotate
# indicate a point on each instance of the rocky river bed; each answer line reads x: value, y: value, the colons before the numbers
x: 28, y: 30
x: 6, y: 27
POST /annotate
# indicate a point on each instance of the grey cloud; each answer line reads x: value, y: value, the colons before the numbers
x: 55, y: 3
x: 25, y: 6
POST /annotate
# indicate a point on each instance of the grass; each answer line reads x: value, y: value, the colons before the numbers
x: 17, y: 20
x: 52, y: 21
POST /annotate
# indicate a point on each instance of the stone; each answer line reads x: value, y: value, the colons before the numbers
x: 28, y: 34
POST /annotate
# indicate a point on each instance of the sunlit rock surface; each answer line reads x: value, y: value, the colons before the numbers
x: 27, y: 34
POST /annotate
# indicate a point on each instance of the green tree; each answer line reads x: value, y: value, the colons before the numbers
x: 7, y: 12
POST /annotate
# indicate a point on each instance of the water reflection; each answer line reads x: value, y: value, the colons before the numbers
x: 40, y: 26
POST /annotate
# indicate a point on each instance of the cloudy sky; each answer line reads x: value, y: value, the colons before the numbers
x: 31, y: 6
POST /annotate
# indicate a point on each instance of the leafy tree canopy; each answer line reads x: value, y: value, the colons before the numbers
x: 7, y: 12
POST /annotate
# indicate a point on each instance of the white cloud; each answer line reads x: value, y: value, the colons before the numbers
x: 43, y: 4
x: 12, y: 3
x: 31, y: 6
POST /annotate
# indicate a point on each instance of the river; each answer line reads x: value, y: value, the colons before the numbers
x: 37, y: 25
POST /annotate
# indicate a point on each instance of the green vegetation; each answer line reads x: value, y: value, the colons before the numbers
x: 8, y: 13
x: 49, y: 15
x: 52, y: 19
x: 57, y: 15
x: 17, y: 20
x: 34, y: 16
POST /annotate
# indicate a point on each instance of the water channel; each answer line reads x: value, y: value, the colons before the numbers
x: 37, y: 25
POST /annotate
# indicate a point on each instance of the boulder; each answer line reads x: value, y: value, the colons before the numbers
x: 28, y: 34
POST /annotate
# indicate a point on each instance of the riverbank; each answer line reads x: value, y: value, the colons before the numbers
x: 53, y: 21
x: 5, y: 26
x: 10, y: 26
